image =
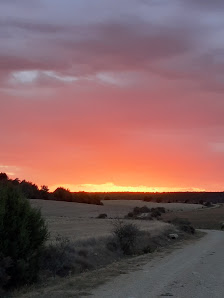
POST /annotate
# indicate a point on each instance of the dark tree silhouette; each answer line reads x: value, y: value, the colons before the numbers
x: 3, y: 176
x: 30, y: 190
x: 44, y: 188
x: 62, y: 194
x: 44, y: 192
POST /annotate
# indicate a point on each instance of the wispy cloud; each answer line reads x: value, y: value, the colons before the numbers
x: 10, y: 170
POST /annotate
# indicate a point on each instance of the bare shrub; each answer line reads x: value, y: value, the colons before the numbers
x: 126, y: 235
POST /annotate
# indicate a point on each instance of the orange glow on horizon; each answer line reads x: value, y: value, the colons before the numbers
x: 110, y: 187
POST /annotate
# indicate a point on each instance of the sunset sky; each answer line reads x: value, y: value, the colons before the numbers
x: 113, y: 95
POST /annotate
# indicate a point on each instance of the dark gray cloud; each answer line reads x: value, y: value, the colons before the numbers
x: 168, y: 39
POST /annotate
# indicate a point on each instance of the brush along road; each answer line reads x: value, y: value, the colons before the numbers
x: 196, y: 270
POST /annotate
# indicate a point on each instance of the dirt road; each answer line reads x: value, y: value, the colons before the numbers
x: 194, y: 271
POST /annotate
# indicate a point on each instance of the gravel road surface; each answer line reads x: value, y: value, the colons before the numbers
x: 193, y: 271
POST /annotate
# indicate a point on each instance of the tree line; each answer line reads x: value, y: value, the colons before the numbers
x: 32, y: 191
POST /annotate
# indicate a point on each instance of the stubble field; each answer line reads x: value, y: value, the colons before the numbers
x: 78, y: 221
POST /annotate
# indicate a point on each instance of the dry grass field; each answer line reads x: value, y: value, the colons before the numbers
x: 208, y: 218
x: 78, y: 221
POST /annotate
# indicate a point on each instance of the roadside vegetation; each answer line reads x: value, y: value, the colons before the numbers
x: 27, y: 257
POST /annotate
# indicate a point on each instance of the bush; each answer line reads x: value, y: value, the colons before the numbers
x: 57, y: 257
x: 126, y: 236
x: 161, y: 209
x: 130, y: 215
x: 208, y: 204
x: 188, y: 229
x: 180, y: 221
x: 139, y: 210
x: 155, y: 213
x: 145, y: 209
x: 62, y: 258
x: 136, y: 210
x: 22, y: 235
x: 146, y: 213
x: 102, y: 215
x: 184, y: 225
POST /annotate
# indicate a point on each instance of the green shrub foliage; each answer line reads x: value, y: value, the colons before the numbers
x: 22, y: 235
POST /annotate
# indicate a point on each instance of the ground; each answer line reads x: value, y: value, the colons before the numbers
x: 195, y: 270
x: 182, y: 269
x: 207, y: 218
x: 77, y: 221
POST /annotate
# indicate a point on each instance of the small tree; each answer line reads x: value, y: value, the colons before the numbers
x: 22, y: 235
x: 44, y: 192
